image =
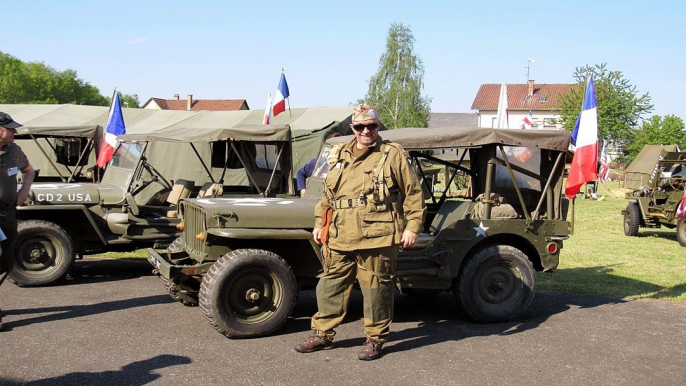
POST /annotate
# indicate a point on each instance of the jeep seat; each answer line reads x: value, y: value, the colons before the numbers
x: 211, y: 189
x: 181, y: 189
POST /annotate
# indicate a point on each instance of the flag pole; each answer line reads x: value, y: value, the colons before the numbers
x: 288, y: 101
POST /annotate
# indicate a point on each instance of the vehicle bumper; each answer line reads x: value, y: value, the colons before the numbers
x: 172, y: 271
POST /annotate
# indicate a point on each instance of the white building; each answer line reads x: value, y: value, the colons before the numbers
x: 543, y: 100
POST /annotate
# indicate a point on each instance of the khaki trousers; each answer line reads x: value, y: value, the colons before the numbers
x: 373, y: 269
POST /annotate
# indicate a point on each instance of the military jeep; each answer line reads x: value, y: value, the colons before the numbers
x: 496, y: 218
x: 655, y: 183
x: 135, y: 205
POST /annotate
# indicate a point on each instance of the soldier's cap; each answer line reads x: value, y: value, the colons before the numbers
x: 7, y: 122
x: 364, y: 114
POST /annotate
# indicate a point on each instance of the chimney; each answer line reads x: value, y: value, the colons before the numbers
x: 531, y: 88
x: 176, y: 97
x: 190, y: 101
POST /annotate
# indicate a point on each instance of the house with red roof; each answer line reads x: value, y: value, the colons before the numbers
x: 543, y: 100
x: 190, y: 104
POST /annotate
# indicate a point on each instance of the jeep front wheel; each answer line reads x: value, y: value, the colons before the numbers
x: 681, y: 231
x: 632, y: 219
x: 498, y: 284
x: 248, y: 293
x: 44, y: 253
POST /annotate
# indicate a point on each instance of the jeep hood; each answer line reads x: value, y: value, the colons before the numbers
x: 257, y: 212
x: 44, y: 193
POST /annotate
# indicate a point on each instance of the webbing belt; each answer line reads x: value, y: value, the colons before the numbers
x: 349, y: 203
x: 355, y: 202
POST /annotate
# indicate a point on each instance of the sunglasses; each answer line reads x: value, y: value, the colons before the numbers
x: 5, y: 119
x: 371, y: 127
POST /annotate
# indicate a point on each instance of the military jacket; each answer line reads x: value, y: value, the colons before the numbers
x: 375, y: 197
x: 12, y: 162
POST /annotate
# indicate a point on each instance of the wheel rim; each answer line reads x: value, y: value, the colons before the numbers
x: 254, y: 296
x: 38, y: 255
x: 498, y: 285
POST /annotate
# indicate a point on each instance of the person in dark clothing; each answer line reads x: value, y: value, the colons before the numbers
x: 303, y: 173
x: 12, y: 162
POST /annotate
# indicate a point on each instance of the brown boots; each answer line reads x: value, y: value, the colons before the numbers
x: 314, y: 342
x: 370, y: 350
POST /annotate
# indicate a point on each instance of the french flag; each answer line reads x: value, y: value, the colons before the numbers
x: 268, y: 111
x: 681, y: 209
x: 280, y: 96
x: 585, y: 138
x: 528, y: 121
x: 115, y: 127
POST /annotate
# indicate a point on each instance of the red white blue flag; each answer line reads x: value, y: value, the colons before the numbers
x: 585, y: 139
x: 268, y: 111
x: 604, y: 172
x: 528, y: 121
x: 115, y: 127
x: 280, y: 96
x: 681, y: 209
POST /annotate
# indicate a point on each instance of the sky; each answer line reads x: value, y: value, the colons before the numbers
x: 329, y: 50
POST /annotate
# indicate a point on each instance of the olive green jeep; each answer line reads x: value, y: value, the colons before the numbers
x: 655, y: 183
x: 496, y: 215
x: 135, y: 205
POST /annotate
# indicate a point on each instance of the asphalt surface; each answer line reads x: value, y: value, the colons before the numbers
x: 113, y: 324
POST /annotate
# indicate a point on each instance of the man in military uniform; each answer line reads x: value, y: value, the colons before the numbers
x: 372, y: 203
x: 12, y: 161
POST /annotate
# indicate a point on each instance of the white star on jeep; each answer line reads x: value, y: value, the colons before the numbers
x: 481, y: 230
x: 245, y: 201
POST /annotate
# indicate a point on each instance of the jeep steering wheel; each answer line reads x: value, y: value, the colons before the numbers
x: 678, y: 182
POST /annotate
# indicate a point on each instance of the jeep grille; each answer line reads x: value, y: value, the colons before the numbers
x: 194, y: 223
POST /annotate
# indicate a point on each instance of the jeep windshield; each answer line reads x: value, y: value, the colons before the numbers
x: 124, y: 162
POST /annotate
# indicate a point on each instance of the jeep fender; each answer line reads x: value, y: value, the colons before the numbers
x: 51, y: 213
x: 268, y: 234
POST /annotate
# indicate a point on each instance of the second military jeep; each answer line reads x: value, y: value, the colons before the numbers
x: 495, y: 218
x: 135, y: 205
x: 655, y: 183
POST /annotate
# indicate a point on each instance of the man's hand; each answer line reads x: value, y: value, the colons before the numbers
x: 302, y: 192
x: 317, y: 234
x: 21, y: 197
x: 28, y: 174
x: 409, y: 239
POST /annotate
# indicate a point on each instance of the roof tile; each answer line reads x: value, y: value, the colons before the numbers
x: 545, y: 96
x: 200, y: 104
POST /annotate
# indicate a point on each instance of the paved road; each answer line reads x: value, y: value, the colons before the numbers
x: 114, y: 325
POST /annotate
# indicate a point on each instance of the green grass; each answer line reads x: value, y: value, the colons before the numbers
x: 600, y: 259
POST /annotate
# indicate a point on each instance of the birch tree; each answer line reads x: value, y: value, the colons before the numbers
x: 395, y: 90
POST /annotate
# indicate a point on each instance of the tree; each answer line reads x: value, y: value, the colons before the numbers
x: 619, y: 106
x: 657, y: 131
x: 35, y: 82
x: 395, y: 90
x: 126, y: 100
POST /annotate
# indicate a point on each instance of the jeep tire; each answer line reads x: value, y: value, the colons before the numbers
x: 497, y: 284
x: 632, y: 219
x: 248, y: 293
x: 681, y: 231
x: 44, y: 253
